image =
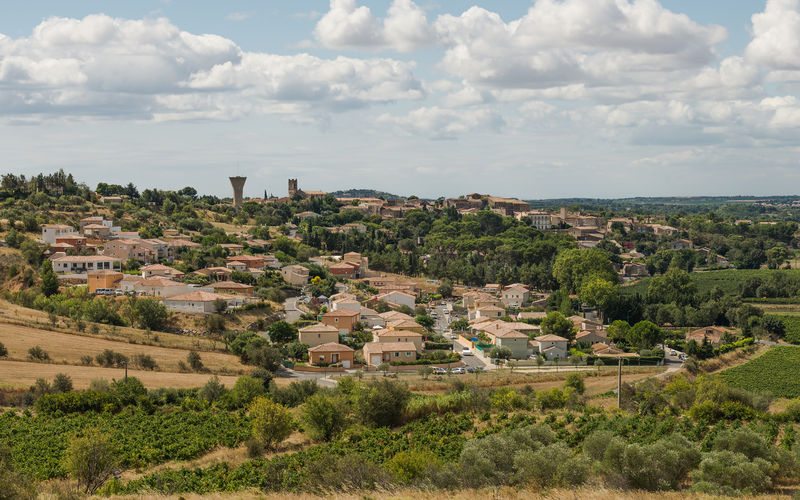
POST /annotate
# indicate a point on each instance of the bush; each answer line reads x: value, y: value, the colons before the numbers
x: 490, y: 459
x: 91, y: 460
x: 109, y: 358
x: 730, y: 473
x: 244, y: 391
x: 552, y: 399
x: 575, y: 380
x: 323, y: 417
x: 62, y: 383
x: 37, y: 353
x: 195, y: 362
x: 13, y: 485
x: 87, y: 360
x: 76, y: 402
x: 144, y: 361
x: 295, y: 393
x: 551, y: 466
x: 344, y: 473
x: 3, y: 351
x: 213, y: 390
x: 380, y: 403
x: 660, y: 466
x: 410, y: 465
x: 271, y: 422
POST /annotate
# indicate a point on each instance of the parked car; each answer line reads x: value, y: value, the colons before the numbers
x: 466, y: 352
x: 459, y: 371
x: 437, y: 370
x: 673, y: 352
x: 453, y: 336
x: 472, y: 369
x: 683, y: 357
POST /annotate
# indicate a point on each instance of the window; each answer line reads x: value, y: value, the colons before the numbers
x: 396, y: 354
x: 408, y: 354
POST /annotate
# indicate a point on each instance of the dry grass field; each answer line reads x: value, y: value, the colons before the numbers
x: 12, y: 314
x: 68, y: 348
x: 24, y: 374
x: 596, y: 382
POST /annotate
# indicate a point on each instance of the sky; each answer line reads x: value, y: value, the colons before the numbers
x: 529, y: 99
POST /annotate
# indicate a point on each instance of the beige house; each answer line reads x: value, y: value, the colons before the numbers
x: 390, y: 316
x: 200, y: 302
x: 215, y: 273
x: 330, y: 353
x: 592, y: 336
x: 552, y: 346
x: 390, y: 335
x: 516, y: 341
x: 160, y: 270
x: 372, y: 318
x: 103, y: 279
x: 515, y: 296
x: 162, y: 287
x: 233, y: 288
x: 343, y: 319
x: 377, y: 353
x: 714, y: 334
x: 295, y: 275
x: 490, y: 312
x: 408, y: 325
x: 314, y: 335
x: 398, y: 299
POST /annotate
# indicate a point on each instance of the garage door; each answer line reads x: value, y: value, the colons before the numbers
x: 346, y: 363
x: 376, y: 360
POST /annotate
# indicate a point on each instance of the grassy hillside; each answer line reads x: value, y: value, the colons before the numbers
x: 774, y: 372
x: 728, y: 280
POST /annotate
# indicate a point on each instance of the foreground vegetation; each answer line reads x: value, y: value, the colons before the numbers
x: 697, y: 434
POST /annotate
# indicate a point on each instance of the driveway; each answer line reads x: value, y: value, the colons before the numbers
x: 292, y: 313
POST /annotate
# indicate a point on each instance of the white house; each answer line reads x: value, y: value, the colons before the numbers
x: 200, y: 302
x: 52, y: 231
x: 84, y: 263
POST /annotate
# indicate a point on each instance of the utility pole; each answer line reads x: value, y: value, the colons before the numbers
x: 126, y: 371
x: 619, y: 382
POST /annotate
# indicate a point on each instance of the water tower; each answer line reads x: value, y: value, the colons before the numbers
x: 238, y: 186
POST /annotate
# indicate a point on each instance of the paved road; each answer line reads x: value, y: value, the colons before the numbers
x: 291, y: 311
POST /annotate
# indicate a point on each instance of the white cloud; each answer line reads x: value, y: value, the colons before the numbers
x: 442, y: 123
x: 776, y: 36
x: 101, y: 66
x: 348, y: 26
x: 237, y: 16
x: 598, y: 42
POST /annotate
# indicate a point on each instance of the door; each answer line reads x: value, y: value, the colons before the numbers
x: 346, y: 363
x: 375, y: 360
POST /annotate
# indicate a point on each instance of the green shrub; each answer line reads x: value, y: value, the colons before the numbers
x: 271, y: 422
x: 551, y: 466
x: 575, y: 380
x: 109, y: 358
x: 410, y: 465
x: 323, y: 416
x: 380, y: 402
x: 37, y: 353
x: 730, y: 473
x: 662, y: 465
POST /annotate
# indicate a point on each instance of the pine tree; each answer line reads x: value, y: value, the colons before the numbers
x: 49, y: 279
